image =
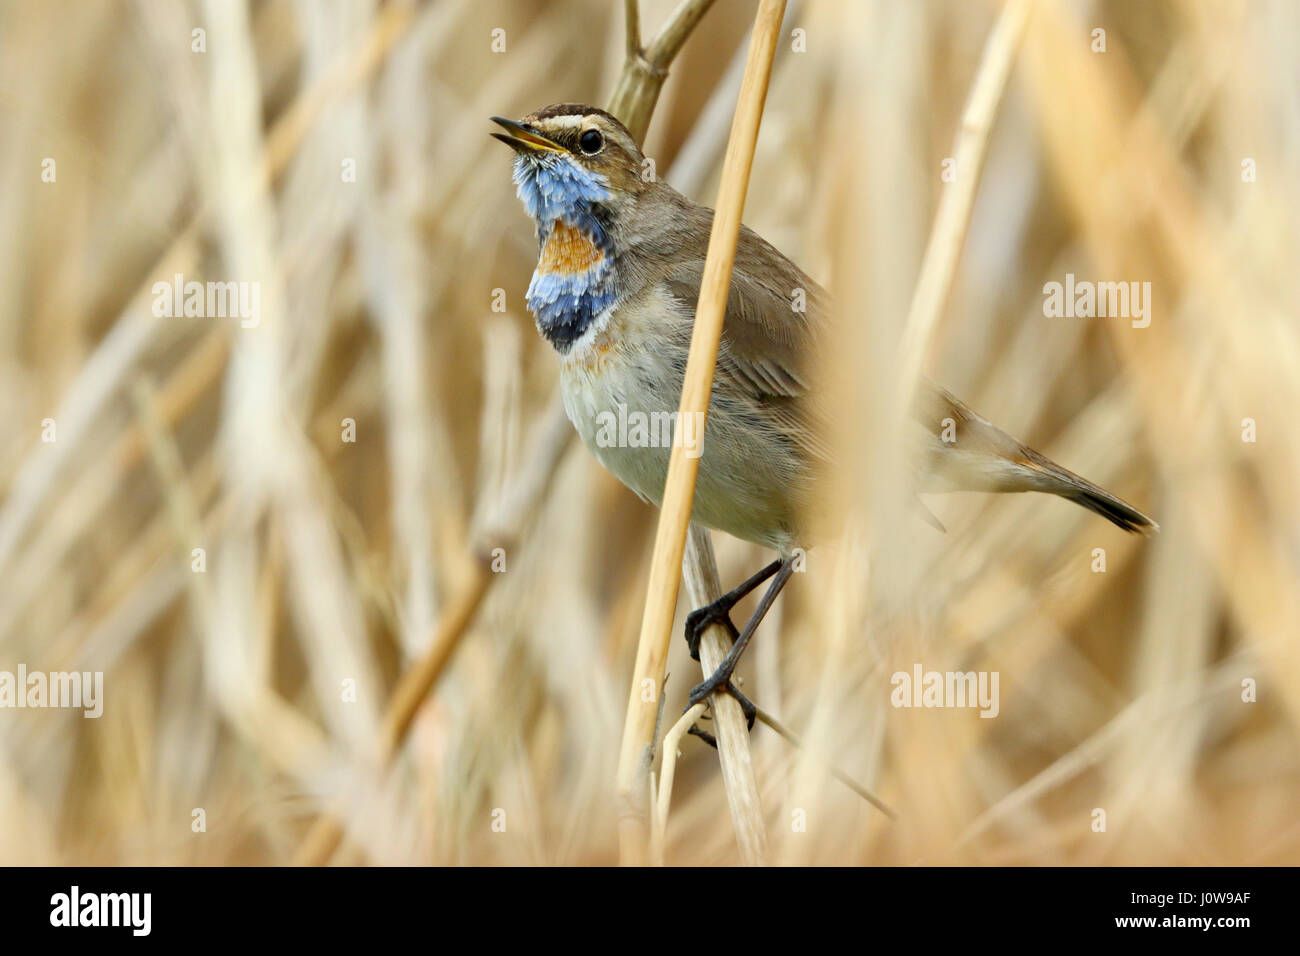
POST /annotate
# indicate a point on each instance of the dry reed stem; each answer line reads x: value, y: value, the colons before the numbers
x: 699, y: 564
x: 700, y: 575
x: 637, y: 748
x: 934, y: 284
x: 663, y: 797
x: 632, y: 29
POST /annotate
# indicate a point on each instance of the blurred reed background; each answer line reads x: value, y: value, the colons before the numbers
x: 332, y: 565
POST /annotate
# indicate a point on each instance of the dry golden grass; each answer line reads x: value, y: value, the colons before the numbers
x: 330, y: 561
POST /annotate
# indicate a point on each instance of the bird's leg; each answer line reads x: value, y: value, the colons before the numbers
x: 719, y: 611
x: 722, y: 676
x: 746, y: 707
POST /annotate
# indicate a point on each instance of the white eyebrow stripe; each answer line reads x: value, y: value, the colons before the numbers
x: 566, y: 121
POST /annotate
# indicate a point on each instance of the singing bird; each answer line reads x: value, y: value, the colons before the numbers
x: 620, y: 260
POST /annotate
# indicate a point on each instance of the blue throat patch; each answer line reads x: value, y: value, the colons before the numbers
x: 574, y: 279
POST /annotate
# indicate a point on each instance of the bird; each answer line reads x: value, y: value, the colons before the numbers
x: 620, y: 260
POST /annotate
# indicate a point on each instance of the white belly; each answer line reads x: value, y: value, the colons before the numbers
x: 622, y: 395
x: 603, y: 400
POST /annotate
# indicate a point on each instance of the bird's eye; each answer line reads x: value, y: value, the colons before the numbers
x: 591, y: 141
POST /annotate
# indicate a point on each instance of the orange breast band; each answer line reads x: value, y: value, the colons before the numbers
x: 568, y: 251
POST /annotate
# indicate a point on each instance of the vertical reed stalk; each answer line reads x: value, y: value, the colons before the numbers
x: 674, y: 516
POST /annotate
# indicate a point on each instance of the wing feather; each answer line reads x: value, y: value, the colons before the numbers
x: 767, y: 346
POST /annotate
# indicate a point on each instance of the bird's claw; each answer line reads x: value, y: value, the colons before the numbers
x: 699, y: 620
x: 701, y: 692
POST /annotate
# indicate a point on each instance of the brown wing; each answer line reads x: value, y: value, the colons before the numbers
x: 768, y: 345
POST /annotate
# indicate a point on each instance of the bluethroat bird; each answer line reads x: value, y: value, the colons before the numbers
x: 617, y: 280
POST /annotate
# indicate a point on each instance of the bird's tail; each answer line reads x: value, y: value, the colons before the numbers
x: 1083, y: 492
x: 970, y: 453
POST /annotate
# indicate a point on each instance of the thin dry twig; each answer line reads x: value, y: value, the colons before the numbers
x: 796, y: 741
x: 637, y: 91
x: 663, y: 798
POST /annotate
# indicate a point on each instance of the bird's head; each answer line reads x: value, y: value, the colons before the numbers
x: 573, y: 162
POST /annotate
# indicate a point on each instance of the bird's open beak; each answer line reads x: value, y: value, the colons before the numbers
x: 524, y: 139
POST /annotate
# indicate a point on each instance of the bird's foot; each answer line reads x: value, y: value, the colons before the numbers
x: 721, y: 678
x: 699, y: 621
x: 719, y: 611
